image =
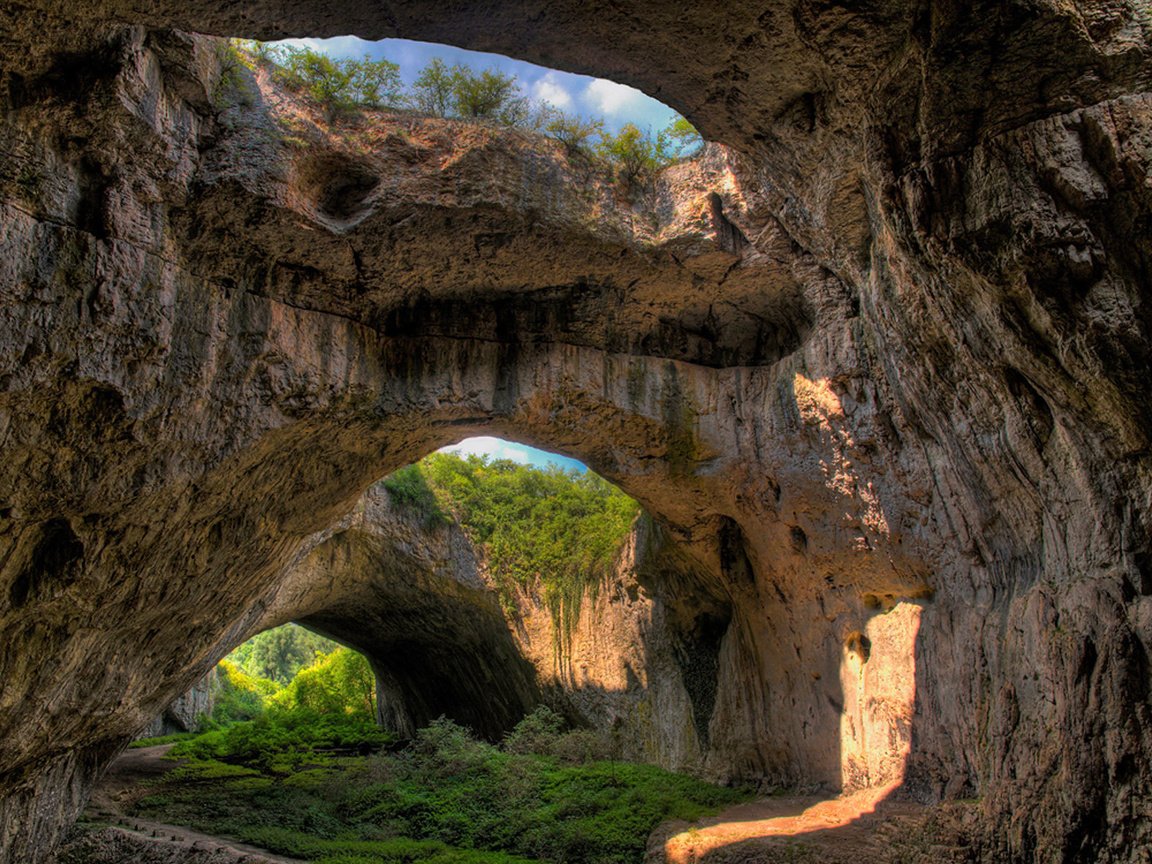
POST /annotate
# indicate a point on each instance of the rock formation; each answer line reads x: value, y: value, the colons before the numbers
x: 185, y: 713
x: 922, y: 380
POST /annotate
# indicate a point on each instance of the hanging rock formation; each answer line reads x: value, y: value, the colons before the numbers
x: 923, y: 380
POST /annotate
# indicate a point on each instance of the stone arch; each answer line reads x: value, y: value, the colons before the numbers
x: 194, y: 416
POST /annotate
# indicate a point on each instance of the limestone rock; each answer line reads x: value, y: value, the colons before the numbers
x: 923, y: 381
x: 187, y: 711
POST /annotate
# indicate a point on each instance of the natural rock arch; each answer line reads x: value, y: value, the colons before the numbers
x: 942, y: 374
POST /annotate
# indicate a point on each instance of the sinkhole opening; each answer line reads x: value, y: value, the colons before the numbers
x: 347, y: 87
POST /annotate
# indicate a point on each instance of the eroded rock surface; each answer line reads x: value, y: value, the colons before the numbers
x: 187, y: 711
x: 923, y: 380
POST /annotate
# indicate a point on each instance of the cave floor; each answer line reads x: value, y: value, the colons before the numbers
x: 871, y: 825
x: 126, y: 780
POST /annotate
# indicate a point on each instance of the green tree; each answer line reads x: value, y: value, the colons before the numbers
x: 634, y: 155
x: 682, y: 139
x: 574, y: 132
x: 374, y: 83
x: 340, y: 84
x: 278, y: 654
x: 340, y: 682
x: 488, y: 95
x: 432, y: 89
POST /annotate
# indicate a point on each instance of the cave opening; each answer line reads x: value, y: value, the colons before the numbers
x: 349, y: 98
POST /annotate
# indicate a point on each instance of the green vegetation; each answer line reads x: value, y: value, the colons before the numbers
x: 447, y: 797
x: 459, y: 92
x: 553, y: 530
x: 278, y: 654
x: 238, y: 695
x: 637, y: 156
x: 340, y: 682
x: 328, y: 706
x: 305, y: 681
x: 409, y: 490
x: 575, y: 133
x: 343, y: 86
x: 339, y: 84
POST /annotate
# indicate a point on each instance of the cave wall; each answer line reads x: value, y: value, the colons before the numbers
x: 923, y: 380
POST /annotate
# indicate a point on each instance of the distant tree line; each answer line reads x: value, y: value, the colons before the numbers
x: 342, y: 85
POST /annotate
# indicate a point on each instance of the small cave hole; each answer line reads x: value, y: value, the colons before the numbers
x: 799, y: 539
x: 860, y: 645
x: 50, y: 564
x: 338, y: 186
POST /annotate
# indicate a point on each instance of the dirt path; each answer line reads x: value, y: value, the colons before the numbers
x: 126, y: 781
x: 865, y: 827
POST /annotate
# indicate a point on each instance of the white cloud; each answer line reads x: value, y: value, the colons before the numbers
x: 336, y: 46
x: 549, y: 89
x: 498, y: 448
x: 493, y: 448
x: 608, y: 97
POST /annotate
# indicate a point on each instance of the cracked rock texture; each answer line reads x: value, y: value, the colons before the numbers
x: 919, y: 380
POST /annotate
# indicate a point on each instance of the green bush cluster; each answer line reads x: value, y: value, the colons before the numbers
x: 305, y: 671
x: 340, y: 682
x: 409, y: 490
x: 238, y: 695
x: 544, y: 733
x: 446, y: 798
x: 282, y: 740
x: 328, y: 705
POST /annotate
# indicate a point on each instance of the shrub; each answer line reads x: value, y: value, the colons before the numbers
x: 681, y: 139
x: 340, y: 84
x: 636, y: 156
x: 409, y: 490
x: 488, y: 95
x: 574, y: 132
x: 340, y: 682
x: 238, y: 695
x: 446, y: 749
x: 536, y: 733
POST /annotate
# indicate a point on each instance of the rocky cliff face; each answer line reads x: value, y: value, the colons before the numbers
x: 186, y: 711
x: 922, y: 382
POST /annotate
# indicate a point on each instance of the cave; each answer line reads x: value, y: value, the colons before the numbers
x: 884, y: 352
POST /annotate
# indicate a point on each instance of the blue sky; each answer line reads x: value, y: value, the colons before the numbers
x: 498, y: 448
x: 615, y: 103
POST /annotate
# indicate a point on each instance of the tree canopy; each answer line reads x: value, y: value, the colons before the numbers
x: 278, y: 654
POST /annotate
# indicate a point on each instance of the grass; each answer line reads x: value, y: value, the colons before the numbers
x: 445, y: 798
